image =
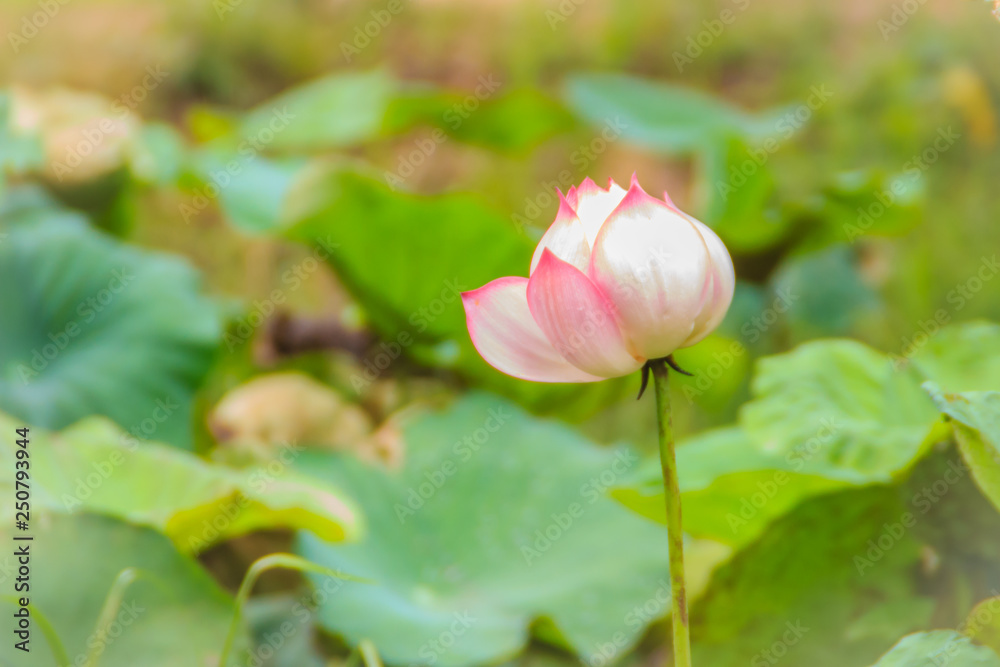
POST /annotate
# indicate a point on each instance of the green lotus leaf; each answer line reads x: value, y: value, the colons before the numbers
x: 496, y: 524
x: 983, y: 623
x: 829, y: 415
x: 662, y: 116
x: 334, y: 111
x: 939, y: 647
x: 975, y: 418
x: 169, y: 611
x: 95, y: 467
x: 95, y: 326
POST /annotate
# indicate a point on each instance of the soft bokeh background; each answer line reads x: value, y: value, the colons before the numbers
x: 232, y: 236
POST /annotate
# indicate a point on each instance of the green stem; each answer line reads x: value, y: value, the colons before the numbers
x: 259, y: 567
x: 48, y: 631
x: 112, y: 603
x: 672, y: 493
x: 369, y: 654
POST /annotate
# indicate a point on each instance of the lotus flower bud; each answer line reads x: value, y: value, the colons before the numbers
x: 618, y: 279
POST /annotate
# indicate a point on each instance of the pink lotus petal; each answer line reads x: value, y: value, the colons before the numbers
x: 593, y: 205
x: 565, y: 238
x: 723, y: 283
x: 505, y: 334
x: 571, y: 196
x: 578, y: 319
x: 653, y: 264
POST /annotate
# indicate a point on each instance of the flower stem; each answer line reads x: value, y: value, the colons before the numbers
x: 682, y: 640
x: 259, y: 566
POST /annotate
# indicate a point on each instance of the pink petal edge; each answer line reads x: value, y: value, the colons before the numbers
x: 565, y: 238
x: 578, y: 319
x: 508, y: 338
x: 723, y: 277
x: 653, y: 264
x: 594, y: 205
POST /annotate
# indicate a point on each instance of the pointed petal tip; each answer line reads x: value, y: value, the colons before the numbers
x: 565, y: 238
x: 594, y: 204
x: 565, y: 207
x: 613, y: 185
x: 571, y: 196
x: 670, y: 202
x: 560, y: 194
x: 470, y: 299
x: 588, y: 187
x: 636, y: 197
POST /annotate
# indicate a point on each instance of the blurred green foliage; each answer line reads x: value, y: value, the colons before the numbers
x: 308, y: 187
x: 493, y: 567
